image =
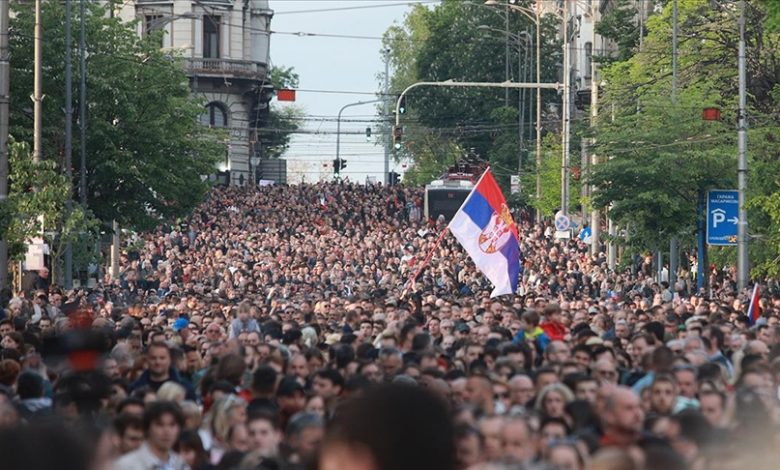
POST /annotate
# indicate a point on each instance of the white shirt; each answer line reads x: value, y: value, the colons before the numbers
x: 144, y: 459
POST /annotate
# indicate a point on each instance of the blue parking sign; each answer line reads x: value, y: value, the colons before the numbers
x: 722, y: 217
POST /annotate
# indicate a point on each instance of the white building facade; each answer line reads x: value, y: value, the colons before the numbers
x: 226, y: 47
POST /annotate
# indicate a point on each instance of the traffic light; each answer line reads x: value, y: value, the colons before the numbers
x: 338, y: 165
x: 393, y: 178
x: 402, y: 105
x: 368, y: 134
x: 398, y: 134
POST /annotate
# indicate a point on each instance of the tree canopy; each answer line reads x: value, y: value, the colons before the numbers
x: 145, y: 151
x: 466, y: 41
x: 658, y: 152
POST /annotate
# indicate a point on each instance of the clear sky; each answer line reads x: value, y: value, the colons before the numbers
x: 334, y: 64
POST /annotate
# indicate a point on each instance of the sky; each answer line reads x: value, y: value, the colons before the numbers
x: 331, y: 64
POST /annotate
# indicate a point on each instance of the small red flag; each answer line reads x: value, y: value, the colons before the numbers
x: 285, y: 95
x: 754, y: 309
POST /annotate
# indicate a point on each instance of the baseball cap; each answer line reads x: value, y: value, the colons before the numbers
x: 180, y: 324
x: 289, y: 387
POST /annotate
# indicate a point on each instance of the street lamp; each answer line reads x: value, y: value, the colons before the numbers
x: 521, y: 40
x: 535, y: 15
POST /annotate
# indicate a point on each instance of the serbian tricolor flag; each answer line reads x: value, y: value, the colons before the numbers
x: 485, y: 229
x: 754, y: 310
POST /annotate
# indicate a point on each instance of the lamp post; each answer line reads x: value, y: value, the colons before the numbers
x: 521, y: 40
x: 742, y: 165
x: 535, y: 15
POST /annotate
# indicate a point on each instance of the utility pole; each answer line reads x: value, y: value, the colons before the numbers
x: 538, y: 113
x: 506, y: 56
x: 68, y: 139
x: 673, y: 243
x: 386, y: 112
x: 611, y: 228
x: 115, y: 241
x: 742, y: 240
x: 37, y: 96
x: 5, y: 79
x: 565, y: 112
x: 595, y: 215
x: 83, y: 105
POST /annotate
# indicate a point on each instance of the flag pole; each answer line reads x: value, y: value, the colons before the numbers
x: 427, y: 259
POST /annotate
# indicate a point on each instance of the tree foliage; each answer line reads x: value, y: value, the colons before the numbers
x: 466, y: 41
x: 281, y: 121
x: 36, y: 207
x: 146, y: 152
x: 658, y: 153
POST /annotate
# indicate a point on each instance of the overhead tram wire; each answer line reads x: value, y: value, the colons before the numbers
x: 362, y: 7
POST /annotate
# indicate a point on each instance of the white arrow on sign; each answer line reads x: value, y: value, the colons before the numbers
x: 734, y: 220
x: 718, y: 216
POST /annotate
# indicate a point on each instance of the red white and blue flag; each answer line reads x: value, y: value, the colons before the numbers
x: 754, y: 309
x: 485, y: 229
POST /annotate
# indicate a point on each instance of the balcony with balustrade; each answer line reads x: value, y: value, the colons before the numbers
x: 226, y: 68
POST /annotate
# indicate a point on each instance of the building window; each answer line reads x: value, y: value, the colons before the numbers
x: 588, y: 58
x: 152, y: 24
x: 211, y: 37
x: 215, y: 115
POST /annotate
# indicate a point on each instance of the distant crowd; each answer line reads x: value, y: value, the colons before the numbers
x: 319, y: 326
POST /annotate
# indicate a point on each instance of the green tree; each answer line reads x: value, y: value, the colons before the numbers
x: 658, y: 154
x: 773, y: 15
x: 282, y: 121
x: 463, y: 41
x: 35, y: 207
x: 146, y: 152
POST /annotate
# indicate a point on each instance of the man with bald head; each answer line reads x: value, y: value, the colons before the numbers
x: 621, y: 417
x: 479, y: 394
x: 521, y: 390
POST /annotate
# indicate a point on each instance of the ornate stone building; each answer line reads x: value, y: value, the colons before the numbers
x: 226, y: 45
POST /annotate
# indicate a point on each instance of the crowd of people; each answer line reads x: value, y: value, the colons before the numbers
x: 324, y: 326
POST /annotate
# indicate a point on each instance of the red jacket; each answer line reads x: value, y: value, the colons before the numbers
x: 554, y: 330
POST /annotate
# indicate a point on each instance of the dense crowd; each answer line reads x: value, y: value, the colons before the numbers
x: 323, y: 326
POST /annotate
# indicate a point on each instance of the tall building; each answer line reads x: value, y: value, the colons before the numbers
x: 226, y: 46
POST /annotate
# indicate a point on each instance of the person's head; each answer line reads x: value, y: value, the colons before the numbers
x: 552, y: 429
x: 264, y: 434
x: 521, y: 389
x: 415, y: 420
x: 469, y: 446
x: 663, y: 394
x: 29, y: 385
x: 712, y: 405
x: 162, y: 421
x: 304, y: 434
x: 552, y: 400
x: 565, y: 455
x: 158, y: 358
x: 129, y: 432
x: 290, y: 396
x: 586, y: 388
x: 685, y: 376
x: 171, y: 391
x: 131, y: 405
x: 557, y: 352
x: 391, y: 361
x: 519, y: 441
x: 622, y: 414
x: 479, y: 393
x: 328, y: 384
x: 226, y: 412
x: 190, y: 448
x: 606, y: 371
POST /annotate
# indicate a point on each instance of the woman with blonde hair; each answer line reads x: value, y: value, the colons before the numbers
x: 552, y: 400
x: 171, y: 391
x: 225, y: 413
